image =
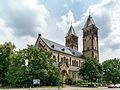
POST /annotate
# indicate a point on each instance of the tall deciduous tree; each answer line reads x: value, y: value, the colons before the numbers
x: 5, y: 51
x: 90, y: 70
x: 111, y: 71
x: 16, y: 75
x: 41, y: 66
x: 32, y: 63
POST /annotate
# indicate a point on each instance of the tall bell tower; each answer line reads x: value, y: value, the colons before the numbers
x: 71, y: 39
x: 90, y: 39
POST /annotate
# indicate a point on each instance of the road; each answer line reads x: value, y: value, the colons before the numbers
x: 66, y: 88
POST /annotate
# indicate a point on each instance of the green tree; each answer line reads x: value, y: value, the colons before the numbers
x: 6, y: 50
x: 111, y: 71
x: 32, y: 63
x: 71, y: 81
x: 41, y: 66
x: 90, y: 70
x: 16, y: 75
x: 55, y: 77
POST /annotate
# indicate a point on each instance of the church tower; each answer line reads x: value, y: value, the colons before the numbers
x: 90, y: 39
x: 71, y: 40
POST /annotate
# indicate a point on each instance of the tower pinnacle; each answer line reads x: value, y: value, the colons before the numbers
x: 71, y: 38
x: 89, y: 21
x: 71, y: 31
x: 90, y: 39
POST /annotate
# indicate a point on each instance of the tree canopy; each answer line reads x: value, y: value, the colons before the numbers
x: 32, y: 63
x: 111, y: 71
x: 19, y: 68
x: 90, y: 70
x: 6, y: 50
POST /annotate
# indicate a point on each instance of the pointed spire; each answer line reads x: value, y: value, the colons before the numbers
x: 89, y: 21
x: 71, y: 30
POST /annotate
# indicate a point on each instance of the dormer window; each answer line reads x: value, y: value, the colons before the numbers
x: 52, y: 46
x: 73, y: 53
x: 63, y: 49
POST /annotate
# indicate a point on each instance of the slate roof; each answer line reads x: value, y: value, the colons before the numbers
x: 71, y: 31
x: 89, y: 21
x: 58, y: 47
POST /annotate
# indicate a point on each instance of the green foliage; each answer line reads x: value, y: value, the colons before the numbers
x: 5, y: 51
x: 70, y: 81
x: 81, y: 82
x: 91, y: 70
x: 40, y: 66
x: 55, y: 77
x: 16, y: 75
x: 111, y: 71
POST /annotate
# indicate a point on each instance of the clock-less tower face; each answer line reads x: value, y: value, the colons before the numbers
x: 90, y: 39
x: 71, y: 40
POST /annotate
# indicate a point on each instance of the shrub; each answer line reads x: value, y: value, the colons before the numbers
x: 70, y: 81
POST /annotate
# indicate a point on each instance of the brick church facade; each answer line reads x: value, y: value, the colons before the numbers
x: 67, y: 57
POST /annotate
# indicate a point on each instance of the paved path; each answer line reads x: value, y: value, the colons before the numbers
x: 65, y: 88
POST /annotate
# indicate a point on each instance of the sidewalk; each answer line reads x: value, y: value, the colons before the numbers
x: 55, y: 88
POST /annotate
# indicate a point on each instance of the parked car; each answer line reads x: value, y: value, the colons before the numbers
x: 111, y: 86
x: 114, y: 86
x: 117, y: 85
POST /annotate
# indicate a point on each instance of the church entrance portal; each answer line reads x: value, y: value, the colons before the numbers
x: 64, y: 74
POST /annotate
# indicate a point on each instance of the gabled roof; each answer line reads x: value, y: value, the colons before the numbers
x: 89, y: 21
x: 71, y: 31
x: 61, y: 48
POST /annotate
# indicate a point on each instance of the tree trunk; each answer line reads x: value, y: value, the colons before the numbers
x: 91, y: 82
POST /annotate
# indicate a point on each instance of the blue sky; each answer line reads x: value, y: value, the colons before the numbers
x: 22, y: 20
x: 61, y: 7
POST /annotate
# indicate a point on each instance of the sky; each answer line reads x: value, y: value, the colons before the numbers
x: 22, y: 20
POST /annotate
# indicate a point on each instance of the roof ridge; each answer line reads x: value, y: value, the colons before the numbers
x: 53, y: 42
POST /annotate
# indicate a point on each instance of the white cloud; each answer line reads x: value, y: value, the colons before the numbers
x: 66, y: 22
x: 21, y: 21
x: 22, y: 42
x: 24, y: 14
x: 6, y: 33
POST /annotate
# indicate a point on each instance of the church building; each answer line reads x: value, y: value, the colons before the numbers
x: 67, y: 57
